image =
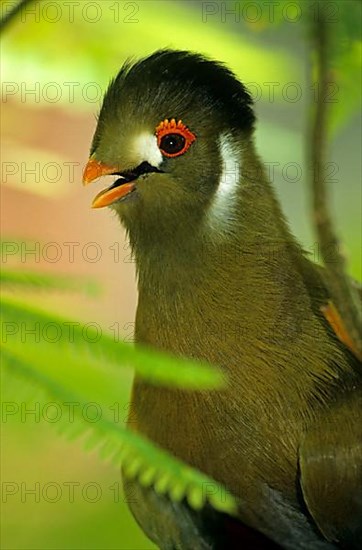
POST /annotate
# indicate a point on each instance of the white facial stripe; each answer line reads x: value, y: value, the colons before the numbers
x: 221, y: 208
x: 145, y: 148
x: 230, y: 166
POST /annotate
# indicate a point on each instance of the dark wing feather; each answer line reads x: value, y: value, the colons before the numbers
x: 331, y: 471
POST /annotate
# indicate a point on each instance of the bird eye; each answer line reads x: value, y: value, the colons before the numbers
x: 173, y: 138
x: 172, y: 144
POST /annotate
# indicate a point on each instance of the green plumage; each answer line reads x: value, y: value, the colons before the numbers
x: 221, y: 278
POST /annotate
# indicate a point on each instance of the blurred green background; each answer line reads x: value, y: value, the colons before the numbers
x: 57, y: 59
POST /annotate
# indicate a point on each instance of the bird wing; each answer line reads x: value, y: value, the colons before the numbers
x: 333, y: 317
x: 330, y: 460
x: 173, y: 524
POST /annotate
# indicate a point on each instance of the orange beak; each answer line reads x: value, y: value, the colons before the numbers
x: 94, y: 170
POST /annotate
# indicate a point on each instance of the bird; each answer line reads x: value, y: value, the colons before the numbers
x: 222, y: 279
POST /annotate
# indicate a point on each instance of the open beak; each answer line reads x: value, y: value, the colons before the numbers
x: 118, y: 190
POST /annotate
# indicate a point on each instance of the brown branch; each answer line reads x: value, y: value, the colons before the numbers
x: 343, y: 292
x: 12, y: 14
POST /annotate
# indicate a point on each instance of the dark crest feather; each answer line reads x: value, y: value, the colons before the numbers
x: 189, y: 74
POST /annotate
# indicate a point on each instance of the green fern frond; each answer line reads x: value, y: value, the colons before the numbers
x: 141, y: 459
x: 88, y: 348
x: 45, y: 281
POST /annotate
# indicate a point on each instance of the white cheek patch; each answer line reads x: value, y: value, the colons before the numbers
x: 145, y: 148
x: 221, y: 209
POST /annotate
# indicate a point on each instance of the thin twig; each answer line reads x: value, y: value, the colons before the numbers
x: 343, y: 292
x: 11, y: 14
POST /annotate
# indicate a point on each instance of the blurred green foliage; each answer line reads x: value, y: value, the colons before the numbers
x: 74, y: 365
x: 39, y: 50
x: 46, y: 357
x: 45, y: 39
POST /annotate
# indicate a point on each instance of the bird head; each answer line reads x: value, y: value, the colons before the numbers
x: 167, y: 125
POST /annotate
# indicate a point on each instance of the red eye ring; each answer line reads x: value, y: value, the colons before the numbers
x: 172, y: 129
